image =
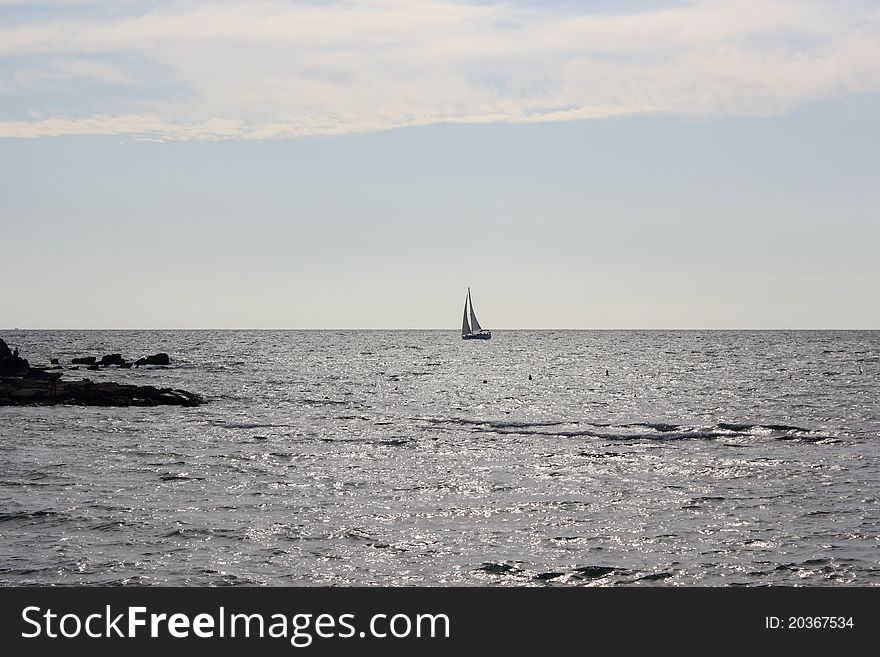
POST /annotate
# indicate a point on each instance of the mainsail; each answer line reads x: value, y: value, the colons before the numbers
x: 465, y: 328
x: 475, y: 325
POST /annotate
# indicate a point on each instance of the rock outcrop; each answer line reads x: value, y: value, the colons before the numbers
x: 25, y: 391
x: 21, y: 385
x: 11, y: 364
x: 112, y: 359
x: 157, y: 359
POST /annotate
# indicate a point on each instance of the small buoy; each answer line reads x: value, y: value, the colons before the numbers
x: 530, y: 377
x: 485, y: 381
x: 606, y: 372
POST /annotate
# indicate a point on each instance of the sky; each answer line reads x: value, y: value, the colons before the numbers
x: 359, y: 164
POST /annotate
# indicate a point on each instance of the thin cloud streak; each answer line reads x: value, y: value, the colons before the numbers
x: 262, y: 70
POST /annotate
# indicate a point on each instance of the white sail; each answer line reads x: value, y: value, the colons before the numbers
x: 475, y: 325
x: 465, y: 328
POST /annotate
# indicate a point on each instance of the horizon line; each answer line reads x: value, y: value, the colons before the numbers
x: 456, y: 330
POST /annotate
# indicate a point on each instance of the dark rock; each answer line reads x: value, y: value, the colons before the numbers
x: 11, y: 364
x: 47, y: 391
x: 112, y: 359
x: 497, y: 568
x: 551, y: 575
x: 593, y: 572
x: 157, y: 359
x: 93, y: 366
x: 38, y: 373
x: 125, y: 365
x: 85, y: 360
x: 54, y: 361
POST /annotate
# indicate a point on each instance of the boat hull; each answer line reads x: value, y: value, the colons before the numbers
x: 482, y: 335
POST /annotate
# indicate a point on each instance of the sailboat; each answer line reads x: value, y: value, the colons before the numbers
x: 472, y: 330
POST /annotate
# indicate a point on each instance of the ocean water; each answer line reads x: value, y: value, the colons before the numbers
x: 416, y: 458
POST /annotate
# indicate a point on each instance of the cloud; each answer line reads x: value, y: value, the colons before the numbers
x: 269, y: 69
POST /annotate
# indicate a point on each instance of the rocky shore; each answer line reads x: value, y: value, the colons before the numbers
x: 23, y: 391
x: 23, y: 385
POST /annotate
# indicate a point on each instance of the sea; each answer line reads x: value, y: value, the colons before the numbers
x: 414, y: 458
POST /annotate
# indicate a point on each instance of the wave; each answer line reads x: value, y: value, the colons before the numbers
x: 202, y: 533
x: 116, y: 525
x: 588, y: 574
x: 500, y: 424
x: 392, y: 442
x: 168, y: 476
x: 34, y: 517
x: 248, y: 425
x: 634, y: 430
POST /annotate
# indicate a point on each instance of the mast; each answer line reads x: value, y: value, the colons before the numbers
x: 465, y: 328
x: 475, y: 325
